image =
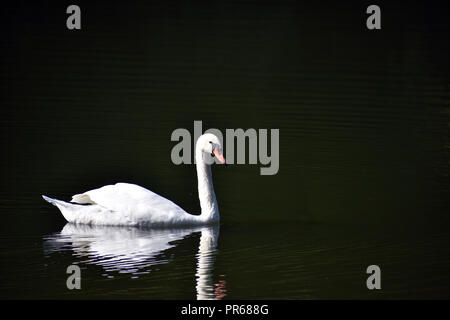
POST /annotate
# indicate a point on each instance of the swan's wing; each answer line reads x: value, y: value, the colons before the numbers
x: 126, y: 197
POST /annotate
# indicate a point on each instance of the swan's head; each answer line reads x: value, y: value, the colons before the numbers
x: 210, y: 144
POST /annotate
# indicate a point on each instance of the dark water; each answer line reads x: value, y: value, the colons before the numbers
x: 364, y: 148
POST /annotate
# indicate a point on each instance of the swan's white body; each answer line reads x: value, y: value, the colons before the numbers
x: 125, y: 204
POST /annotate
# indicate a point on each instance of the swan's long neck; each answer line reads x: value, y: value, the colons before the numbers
x: 208, y: 202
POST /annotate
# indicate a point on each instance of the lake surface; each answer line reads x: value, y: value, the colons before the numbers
x: 364, y: 148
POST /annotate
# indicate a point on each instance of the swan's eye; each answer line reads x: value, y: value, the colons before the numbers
x: 212, y: 145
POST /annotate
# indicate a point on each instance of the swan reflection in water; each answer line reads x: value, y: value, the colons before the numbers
x: 135, y: 251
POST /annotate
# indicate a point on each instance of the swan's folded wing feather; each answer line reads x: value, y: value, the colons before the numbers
x: 82, y: 199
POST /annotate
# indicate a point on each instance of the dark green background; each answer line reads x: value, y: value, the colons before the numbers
x: 363, y: 118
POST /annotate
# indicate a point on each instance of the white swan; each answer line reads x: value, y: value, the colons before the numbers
x: 125, y: 204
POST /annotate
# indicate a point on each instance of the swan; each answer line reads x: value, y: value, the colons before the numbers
x: 126, y: 204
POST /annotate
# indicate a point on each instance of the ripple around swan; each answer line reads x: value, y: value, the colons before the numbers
x: 122, y: 250
x: 136, y: 251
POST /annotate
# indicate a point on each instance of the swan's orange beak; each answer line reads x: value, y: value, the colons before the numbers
x: 219, y: 156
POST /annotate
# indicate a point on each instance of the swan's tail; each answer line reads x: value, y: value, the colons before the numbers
x: 55, y: 202
x: 67, y: 209
x: 79, y: 213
